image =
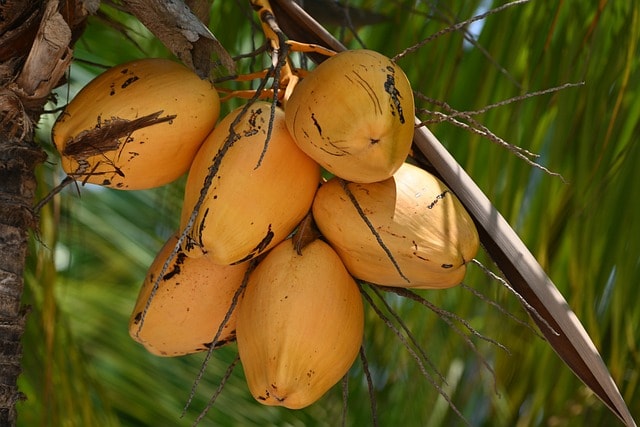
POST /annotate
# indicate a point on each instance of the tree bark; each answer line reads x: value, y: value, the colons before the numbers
x: 18, y: 159
x: 34, y: 54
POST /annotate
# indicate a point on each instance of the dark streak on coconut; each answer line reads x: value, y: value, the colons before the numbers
x: 420, y: 257
x: 253, y: 116
x: 362, y: 82
x: 129, y: 81
x: 264, y: 243
x: 390, y: 88
x: 437, y: 199
x: 250, y: 132
x: 339, y: 151
x: 220, y: 343
x: 316, y: 124
x: 201, y: 226
x: 137, y: 318
x: 180, y: 257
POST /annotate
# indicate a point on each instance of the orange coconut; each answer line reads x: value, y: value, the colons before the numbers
x: 137, y: 125
x: 299, y: 326
x: 354, y: 114
x: 261, y: 190
x: 425, y: 236
x: 192, y: 300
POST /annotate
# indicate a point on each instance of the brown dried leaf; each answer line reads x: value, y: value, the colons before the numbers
x: 173, y: 22
x: 49, y: 57
x: 106, y: 136
x: 47, y: 60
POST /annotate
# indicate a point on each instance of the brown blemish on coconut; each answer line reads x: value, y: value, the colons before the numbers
x: 390, y: 88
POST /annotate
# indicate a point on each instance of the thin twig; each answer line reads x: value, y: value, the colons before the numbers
x: 456, y: 27
x: 483, y: 131
x: 436, y: 15
x: 500, y: 308
x: 280, y: 56
x: 55, y: 190
x: 372, y: 392
x: 474, y: 126
x: 232, y: 307
x: 412, y: 352
x: 523, y: 97
x: 345, y: 398
x: 412, y: 337
x: 373, y: 230
x: 218, y: 391
x: 447, y: 317
x: 524, y: 302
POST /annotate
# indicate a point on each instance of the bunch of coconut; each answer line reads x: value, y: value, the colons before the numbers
x: 336, y: 148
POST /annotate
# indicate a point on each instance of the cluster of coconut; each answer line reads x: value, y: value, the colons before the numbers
x: 336, y: 148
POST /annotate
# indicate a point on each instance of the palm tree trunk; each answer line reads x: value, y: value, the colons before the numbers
x: 34, y: 54
x: 18, y: 159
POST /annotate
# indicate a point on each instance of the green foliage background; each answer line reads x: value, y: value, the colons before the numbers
x: 94, y: 246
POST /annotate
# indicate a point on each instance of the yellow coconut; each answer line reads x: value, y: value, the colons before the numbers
x: 261, y: 190
x: 192, y: 300
x: 354, y: 114
x: 424, y: 239
x: 300, y: 325
x: 137, y: 125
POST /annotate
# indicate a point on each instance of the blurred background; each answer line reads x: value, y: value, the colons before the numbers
x: 88, y: 261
